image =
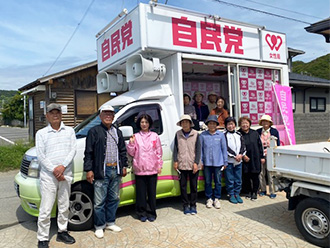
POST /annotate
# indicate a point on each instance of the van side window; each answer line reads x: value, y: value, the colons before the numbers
x: 131, y: 115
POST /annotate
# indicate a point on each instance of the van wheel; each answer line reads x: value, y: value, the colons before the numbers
x: 312, y: 220
x: 81, y: 207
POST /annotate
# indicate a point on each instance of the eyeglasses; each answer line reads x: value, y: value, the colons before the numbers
x: 108, y: 113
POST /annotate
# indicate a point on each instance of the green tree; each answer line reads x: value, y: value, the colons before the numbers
x: 13, y: 109
x: 319, y: 67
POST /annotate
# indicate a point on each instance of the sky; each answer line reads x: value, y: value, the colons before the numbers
x: 34, y: 33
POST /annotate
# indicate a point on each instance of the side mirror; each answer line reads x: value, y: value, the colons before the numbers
x: 127, y: 131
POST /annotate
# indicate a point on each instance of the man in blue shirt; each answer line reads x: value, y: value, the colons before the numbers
x: 214, y: 159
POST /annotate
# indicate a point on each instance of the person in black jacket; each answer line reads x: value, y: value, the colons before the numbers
x: 105, y: 163
x: 253, y: 159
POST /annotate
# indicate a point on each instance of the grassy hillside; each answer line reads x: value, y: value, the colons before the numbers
x: 319, y: 67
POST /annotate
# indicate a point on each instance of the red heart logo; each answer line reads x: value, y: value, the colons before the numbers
x: 274, y: 41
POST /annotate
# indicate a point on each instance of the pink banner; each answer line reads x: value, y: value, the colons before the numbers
x: 284, y: 100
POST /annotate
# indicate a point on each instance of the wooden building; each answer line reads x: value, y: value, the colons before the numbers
x: 74, y: 89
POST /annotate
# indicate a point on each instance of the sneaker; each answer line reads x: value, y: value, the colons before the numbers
x: 99, y: 233
x: 272, y: 196
x: 143, y: 219
x: 65, y: 237
x: 216, y: 203
x: 248, y: 196
x: 43, y: 244
x: 262, y: 193
x: 113, y: 228
x: 232, y: 199
x: 186, y: 210
x: 254, y: 197
x: 151, y: 219
x: 239, y: 199
x: 193, y: 210
x: 209, y: 203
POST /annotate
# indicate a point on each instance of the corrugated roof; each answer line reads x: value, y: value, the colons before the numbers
x: 296, y: 78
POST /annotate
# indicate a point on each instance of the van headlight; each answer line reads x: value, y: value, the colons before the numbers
x: 34, y: 169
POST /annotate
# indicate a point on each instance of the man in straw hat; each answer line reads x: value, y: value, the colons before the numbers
x: 186, y: 157
x: 265, y: 133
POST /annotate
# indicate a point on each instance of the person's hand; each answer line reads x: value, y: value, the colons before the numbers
x: 159, y: 171
x: 124, y: 172
x: 175, y: 165
x: 263, y: 161
x: 202, y: 167
x: 195, y: 169
x: 90, y: 176
x: 58, y: 172
x: 246, y: 158
x: 61, y: 178
x: 238, y: 157
x: 132, y: 139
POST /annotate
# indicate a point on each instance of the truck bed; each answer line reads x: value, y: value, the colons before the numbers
x: 305, y: 162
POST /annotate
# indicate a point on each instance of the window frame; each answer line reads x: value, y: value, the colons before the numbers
x: 317, y: 99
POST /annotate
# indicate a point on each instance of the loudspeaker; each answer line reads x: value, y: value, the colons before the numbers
x: 141, y: 69
x: 110, y: 83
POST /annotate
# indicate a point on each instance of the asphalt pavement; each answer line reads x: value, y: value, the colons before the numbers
x: 263, y: 223
x: 9, y: 135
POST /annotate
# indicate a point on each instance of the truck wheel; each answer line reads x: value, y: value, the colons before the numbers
x: 312, y: 220
x: 81, y: 207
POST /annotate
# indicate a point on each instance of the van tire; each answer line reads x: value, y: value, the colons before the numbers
x: 313, y: 222
x: 81, y: 207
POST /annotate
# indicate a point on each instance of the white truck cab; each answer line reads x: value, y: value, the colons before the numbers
x: 154, y: 54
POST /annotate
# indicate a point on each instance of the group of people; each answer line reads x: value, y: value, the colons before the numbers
x: 199, y: 111
x: 105, y: 163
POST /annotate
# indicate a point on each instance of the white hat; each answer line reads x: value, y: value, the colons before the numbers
x: 106, y: 108
x: 266, y: 118
x: 185, y: 117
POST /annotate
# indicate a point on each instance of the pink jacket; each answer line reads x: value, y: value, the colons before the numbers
x: 146, y: 152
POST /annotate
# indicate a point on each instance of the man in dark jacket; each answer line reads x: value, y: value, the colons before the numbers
x: 105, y: 163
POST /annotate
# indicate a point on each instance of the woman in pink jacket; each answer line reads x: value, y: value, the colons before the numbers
x: 146, y: 150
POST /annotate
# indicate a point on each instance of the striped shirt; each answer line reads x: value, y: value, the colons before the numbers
x: 112, y: 148
x: 56, y: 147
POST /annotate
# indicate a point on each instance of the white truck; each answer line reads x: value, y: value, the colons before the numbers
x: 303, y: 172
x: 154, y: 54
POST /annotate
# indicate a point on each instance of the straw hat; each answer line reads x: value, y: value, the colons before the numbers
x: 266, y: 118
x: 212, y: 93
x: 198, y: 93
x: 185, y: 117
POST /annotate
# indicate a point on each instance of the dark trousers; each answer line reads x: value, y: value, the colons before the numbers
x: 145, y: 187
x: 193, y: 178
x: 252, y: 182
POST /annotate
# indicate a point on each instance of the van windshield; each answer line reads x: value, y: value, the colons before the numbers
x: 92, y: 121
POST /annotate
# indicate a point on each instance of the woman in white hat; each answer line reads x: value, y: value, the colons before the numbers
x: 186, y: 158
x: 265, y: 133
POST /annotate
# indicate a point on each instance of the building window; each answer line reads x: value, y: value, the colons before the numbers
x: 86, y: 102
x: 293, y: 101
x: 317, y: 104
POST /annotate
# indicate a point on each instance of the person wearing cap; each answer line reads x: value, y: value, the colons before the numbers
x: 265, y: 133
x: 212, y: 98
x: 188, y: 109
x: 221, y: 111
x: 201, y: 108
x: 56, y: 148
x: 236, y: 150
x: 214, y: 159
x: 253, y: 159
x: 105, y: 163
x: 186, y: 158
x: 146, y: 149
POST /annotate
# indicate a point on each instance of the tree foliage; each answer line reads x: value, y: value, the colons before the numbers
x: 319, y: 67
x: 13, y: 109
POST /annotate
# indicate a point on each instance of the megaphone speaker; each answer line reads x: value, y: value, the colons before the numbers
x: 110, y: 83
x: 141, y: 69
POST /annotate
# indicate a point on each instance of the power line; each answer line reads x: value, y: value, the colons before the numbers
x: 263, y: 12
x: 67, y: 43
x: 284, y: 9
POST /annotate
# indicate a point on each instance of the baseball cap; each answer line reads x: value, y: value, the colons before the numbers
x: 53, y: 106
x: 106, y: 108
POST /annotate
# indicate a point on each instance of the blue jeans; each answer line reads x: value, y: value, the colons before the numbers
x: 106, y: 198
x: 210, y: 171
x: 233, y: 179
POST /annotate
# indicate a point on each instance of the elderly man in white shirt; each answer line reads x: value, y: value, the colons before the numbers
x: 56, y: 147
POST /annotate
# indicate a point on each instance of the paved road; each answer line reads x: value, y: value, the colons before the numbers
x: 13, y: 134
x: 264, y: 223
